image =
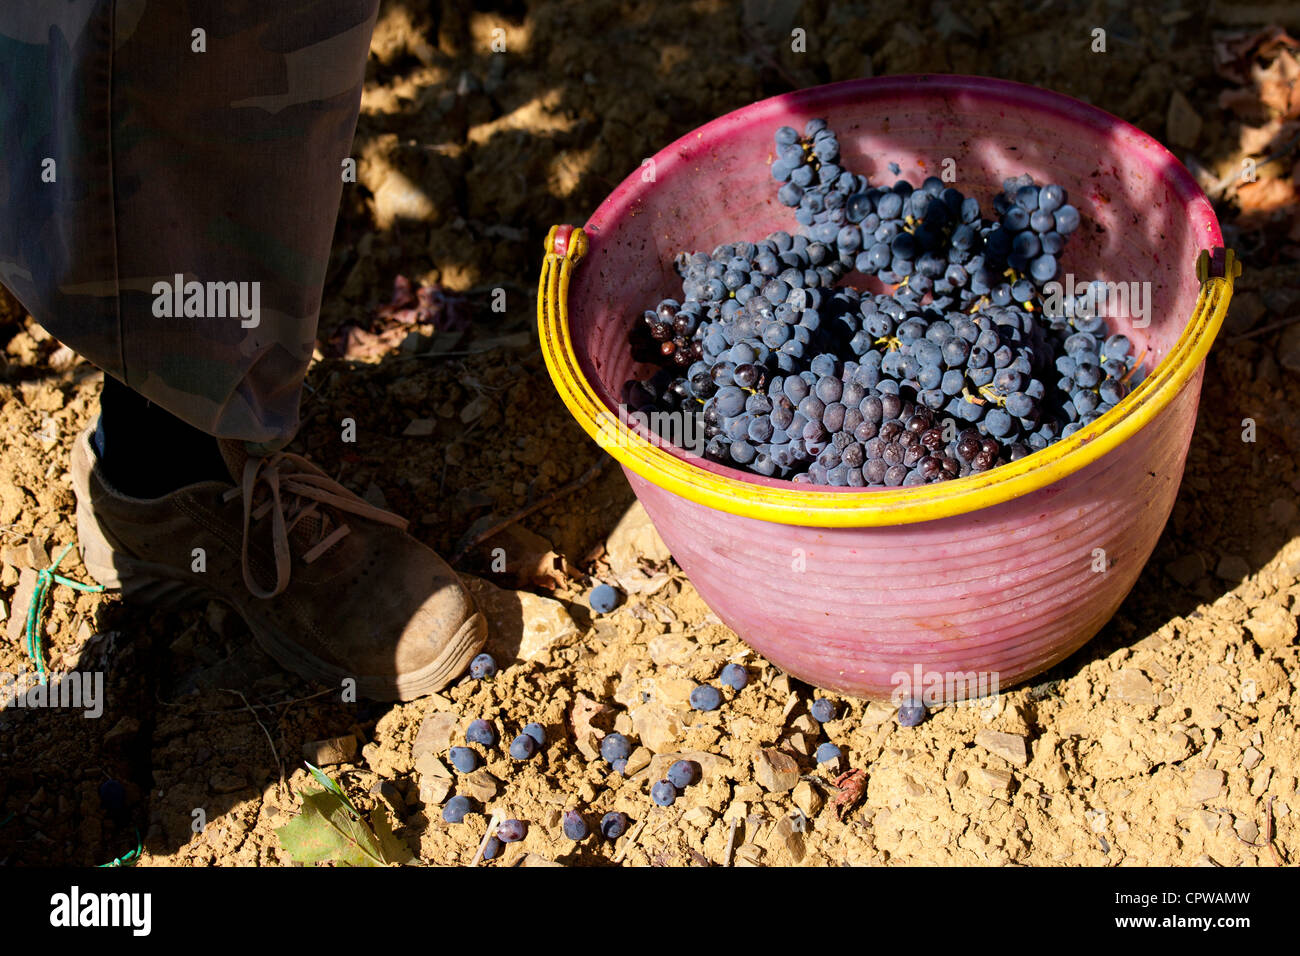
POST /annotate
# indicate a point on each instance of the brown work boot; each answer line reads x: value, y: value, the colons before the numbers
x: 331, y: 586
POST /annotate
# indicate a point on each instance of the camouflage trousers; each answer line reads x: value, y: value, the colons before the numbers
x: 170, y: 173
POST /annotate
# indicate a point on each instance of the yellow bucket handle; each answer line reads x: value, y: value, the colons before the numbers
x: 800, y: 505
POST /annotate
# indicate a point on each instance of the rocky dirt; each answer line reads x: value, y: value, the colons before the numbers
x: 1169, y: 739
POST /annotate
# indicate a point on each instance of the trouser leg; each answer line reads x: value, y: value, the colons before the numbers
x: 131, y: 156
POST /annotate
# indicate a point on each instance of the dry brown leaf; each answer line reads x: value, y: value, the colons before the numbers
x: 1261, y: 140
x: 1260, y: 199
x: 1279, y: 85
x: 530, y: 559
x: 583, y: 716
x: 1235, y: 51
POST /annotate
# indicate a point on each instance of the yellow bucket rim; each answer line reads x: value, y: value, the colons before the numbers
x: 814, y: 506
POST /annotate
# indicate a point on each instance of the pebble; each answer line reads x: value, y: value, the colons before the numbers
x: 1288, y: 348
x: 419, y: 428
x: 335, y: 750
x: 639, y: 760
x: 1182, y: 123
x: 480, y: 785
x: 435, y: 779
x: 800, y: 744
x: 804, y: 724
x: 1233, y: 568
x: 775, y: 771
x: 521, y: 625
x: 397, y: 197
x: 1271, y: 626
x: 1131, y: 686
x: 1282, y: 512
x: 634, y: 538
x: 786, y: 838
x: 997, y: 782
x: 656, y: 726
x: 30, y: 554
x: 1205, y: 785
x: 227, y: 781
x: 1250, y: 758
x: 1186, y: 569
x: 434, y: 736
x: 1012, y: 748
x: 807, y: 798
x: 1244, y: 312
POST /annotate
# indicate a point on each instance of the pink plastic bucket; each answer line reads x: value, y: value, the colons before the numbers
x: 968, y: 585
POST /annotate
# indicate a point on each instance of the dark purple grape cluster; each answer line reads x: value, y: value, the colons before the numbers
x: 787, y: 373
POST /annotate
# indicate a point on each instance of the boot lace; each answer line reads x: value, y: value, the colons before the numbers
x: 295, y: 490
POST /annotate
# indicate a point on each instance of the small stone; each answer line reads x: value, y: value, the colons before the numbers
x: 1271, y: 626
x: 227, y: 781
x: 997, y: 782
x: 334, y: 750
x: 1247, y: 829
x: 1250, y: 758
x: 749, y: 855
x: 29, y: 554
x: 419, y: 428
x: 748, y: 792
x: 775, y: 771
x: 700, y: 817
x: 1232, y: 568
x: 397, y: 197
x: 1288, y: 348
x: 634, y: 539
x: 480, y: 785
x: 1244, y: 312
x: 786, y: 839
x: 807, y: 798
x: 1013, y: 748
x: 1131, y: 686
x: 22, y: 599
x: 800, y: 744
x: 1186, y: 569
x: 1282, y: 512
x: 434, y: 736
x: 876, y: 714
x: 521, y: 625
x: 805, y: 724
x: 124, y: 729
x: 1182, y: 124
x: 639, y: 760
x: 1205, y: 785
x: 434, y: 789
x: 736, y: 810
x: 657, y: 727
x: 535, y: 859
x: 387, y: 791
x: 1209, y: 820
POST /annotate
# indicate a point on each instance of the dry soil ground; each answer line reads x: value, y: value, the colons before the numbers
x: 1164, y: 741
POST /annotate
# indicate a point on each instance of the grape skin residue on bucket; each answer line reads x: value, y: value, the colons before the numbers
x: 786, y: 370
